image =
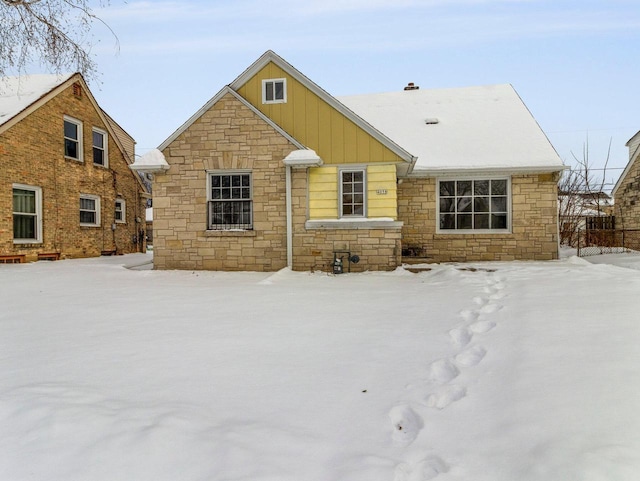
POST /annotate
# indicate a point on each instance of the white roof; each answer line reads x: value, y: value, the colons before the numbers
x: 17, y: 93
x: 471, y: 128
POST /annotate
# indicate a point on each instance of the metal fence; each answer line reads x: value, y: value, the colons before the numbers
x: 607, y: 241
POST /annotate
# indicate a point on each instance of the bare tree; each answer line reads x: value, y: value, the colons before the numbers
x: 580, y: 195
x: 54, y: 33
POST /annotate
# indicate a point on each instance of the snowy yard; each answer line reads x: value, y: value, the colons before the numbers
x: 509, y: 371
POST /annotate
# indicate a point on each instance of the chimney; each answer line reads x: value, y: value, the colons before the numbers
x: 411, y: 86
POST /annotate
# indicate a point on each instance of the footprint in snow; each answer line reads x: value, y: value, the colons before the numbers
x: 481, y: 327
x: 497, y: 296
x: 445, y: 396
x: 480, y: 300
x: 471, y: 356
x: 424, y: 470
x: 442, y: 371
x: 489, y: 308
x: 468, y: 315
x: 460, y: 336
x: 406, y: 424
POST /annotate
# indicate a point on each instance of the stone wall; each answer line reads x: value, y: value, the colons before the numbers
x: 228, y: 136
x: 534, y: 230
x: 627, y: 200
x: 32, y: 153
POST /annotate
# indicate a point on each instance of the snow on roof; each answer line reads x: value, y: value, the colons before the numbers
x: 486, y: 127
x: 151, y: 161
x: 17, y: 93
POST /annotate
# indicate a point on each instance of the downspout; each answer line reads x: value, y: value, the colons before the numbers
x: 289, y: 218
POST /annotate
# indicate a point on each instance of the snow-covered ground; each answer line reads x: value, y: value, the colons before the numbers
x: 495, y: 371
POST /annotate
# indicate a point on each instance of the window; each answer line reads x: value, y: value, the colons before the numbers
x: 352, y: 193
x: 72, y: 138
x: 121, y: 211
x: 89, y: 210
x: 274, y: 91
x: 100, y: 148
x: 473, y: 204
x: 27, y: 214
x: 230, y: 201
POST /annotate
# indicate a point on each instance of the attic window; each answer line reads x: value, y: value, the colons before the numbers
x: 77, y: 90
x: 274, y: 91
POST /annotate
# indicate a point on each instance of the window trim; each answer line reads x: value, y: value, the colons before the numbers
x: 123, y: 209
x: 283, y: 100
x: 97, y: 210
x: 507, y: 230
x: 210, y: 200
x: 342, y: 170
x: 105, y: 148
x: 38, y: 213
x: 78, y: 124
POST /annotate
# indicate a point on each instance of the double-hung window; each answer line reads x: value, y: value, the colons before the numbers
x: 27, y: 214
x: 100, y: 148
x: 121, y: 211
x: 274, y: 91
x: 352, y: 193
x: 72, y: 138
x: 230, y: 201
x: 473, y: 205
x: 89, y: 210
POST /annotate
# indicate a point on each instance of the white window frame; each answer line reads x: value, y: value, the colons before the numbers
x: 104, y: 148
x: 506, y: 230
x: 38, y: 214
x: 96, y: 210
x: 273, y: 82
x: 211, y: 200
x: 123, y: 211
x: 78, y: 124
x: 341, y: 192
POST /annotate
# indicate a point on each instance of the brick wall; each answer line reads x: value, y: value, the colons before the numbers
x: 534, y: 233
x: 32, y: 153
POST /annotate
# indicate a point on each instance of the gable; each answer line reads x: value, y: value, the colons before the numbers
x: 311, y: 120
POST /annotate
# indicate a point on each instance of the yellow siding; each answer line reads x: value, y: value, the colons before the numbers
x: 314, y: 123
x: 323, y: 193
x: 382, y: 178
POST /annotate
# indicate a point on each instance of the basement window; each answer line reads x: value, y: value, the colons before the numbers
x: 274, y: 91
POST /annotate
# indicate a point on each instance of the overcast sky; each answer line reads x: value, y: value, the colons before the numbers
x: 574, y: 63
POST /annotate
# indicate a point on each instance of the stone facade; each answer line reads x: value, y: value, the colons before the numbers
x: 228, y: 136
x: 627, y: 199
x: 32, y: 153
x: 534, y: 231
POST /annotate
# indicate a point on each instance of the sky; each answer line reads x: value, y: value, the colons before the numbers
x: 574, y: 63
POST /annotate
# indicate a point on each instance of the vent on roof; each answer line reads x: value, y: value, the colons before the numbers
x: 411, y: 86
x: 431, y: 121
x: 77, y: 90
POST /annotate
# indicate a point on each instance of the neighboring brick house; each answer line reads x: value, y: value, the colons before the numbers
x: 626, y: 192
x: 273, y: 172
x: 66, y: 189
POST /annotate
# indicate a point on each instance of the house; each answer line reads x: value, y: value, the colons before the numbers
x: 581, y: 210
x: 66, y: 189
x: 626, y: 192
x: 273, y: 171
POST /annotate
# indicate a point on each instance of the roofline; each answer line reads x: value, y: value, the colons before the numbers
x: 476, y: 171
x: 224, y: 91
x: 36, y: 104
x: 632, y: 137
x: 271, y: 56
x: 632, y: 160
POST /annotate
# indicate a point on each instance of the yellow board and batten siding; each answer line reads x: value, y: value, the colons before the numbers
x: 335, y: 138
x: 315, y: 123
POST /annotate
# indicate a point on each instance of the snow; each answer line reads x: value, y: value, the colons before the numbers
x: 17, y: 93
x: 488, y: 372
x: 486, y: 127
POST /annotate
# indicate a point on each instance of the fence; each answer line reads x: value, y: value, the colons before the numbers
x: 607, y: 241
